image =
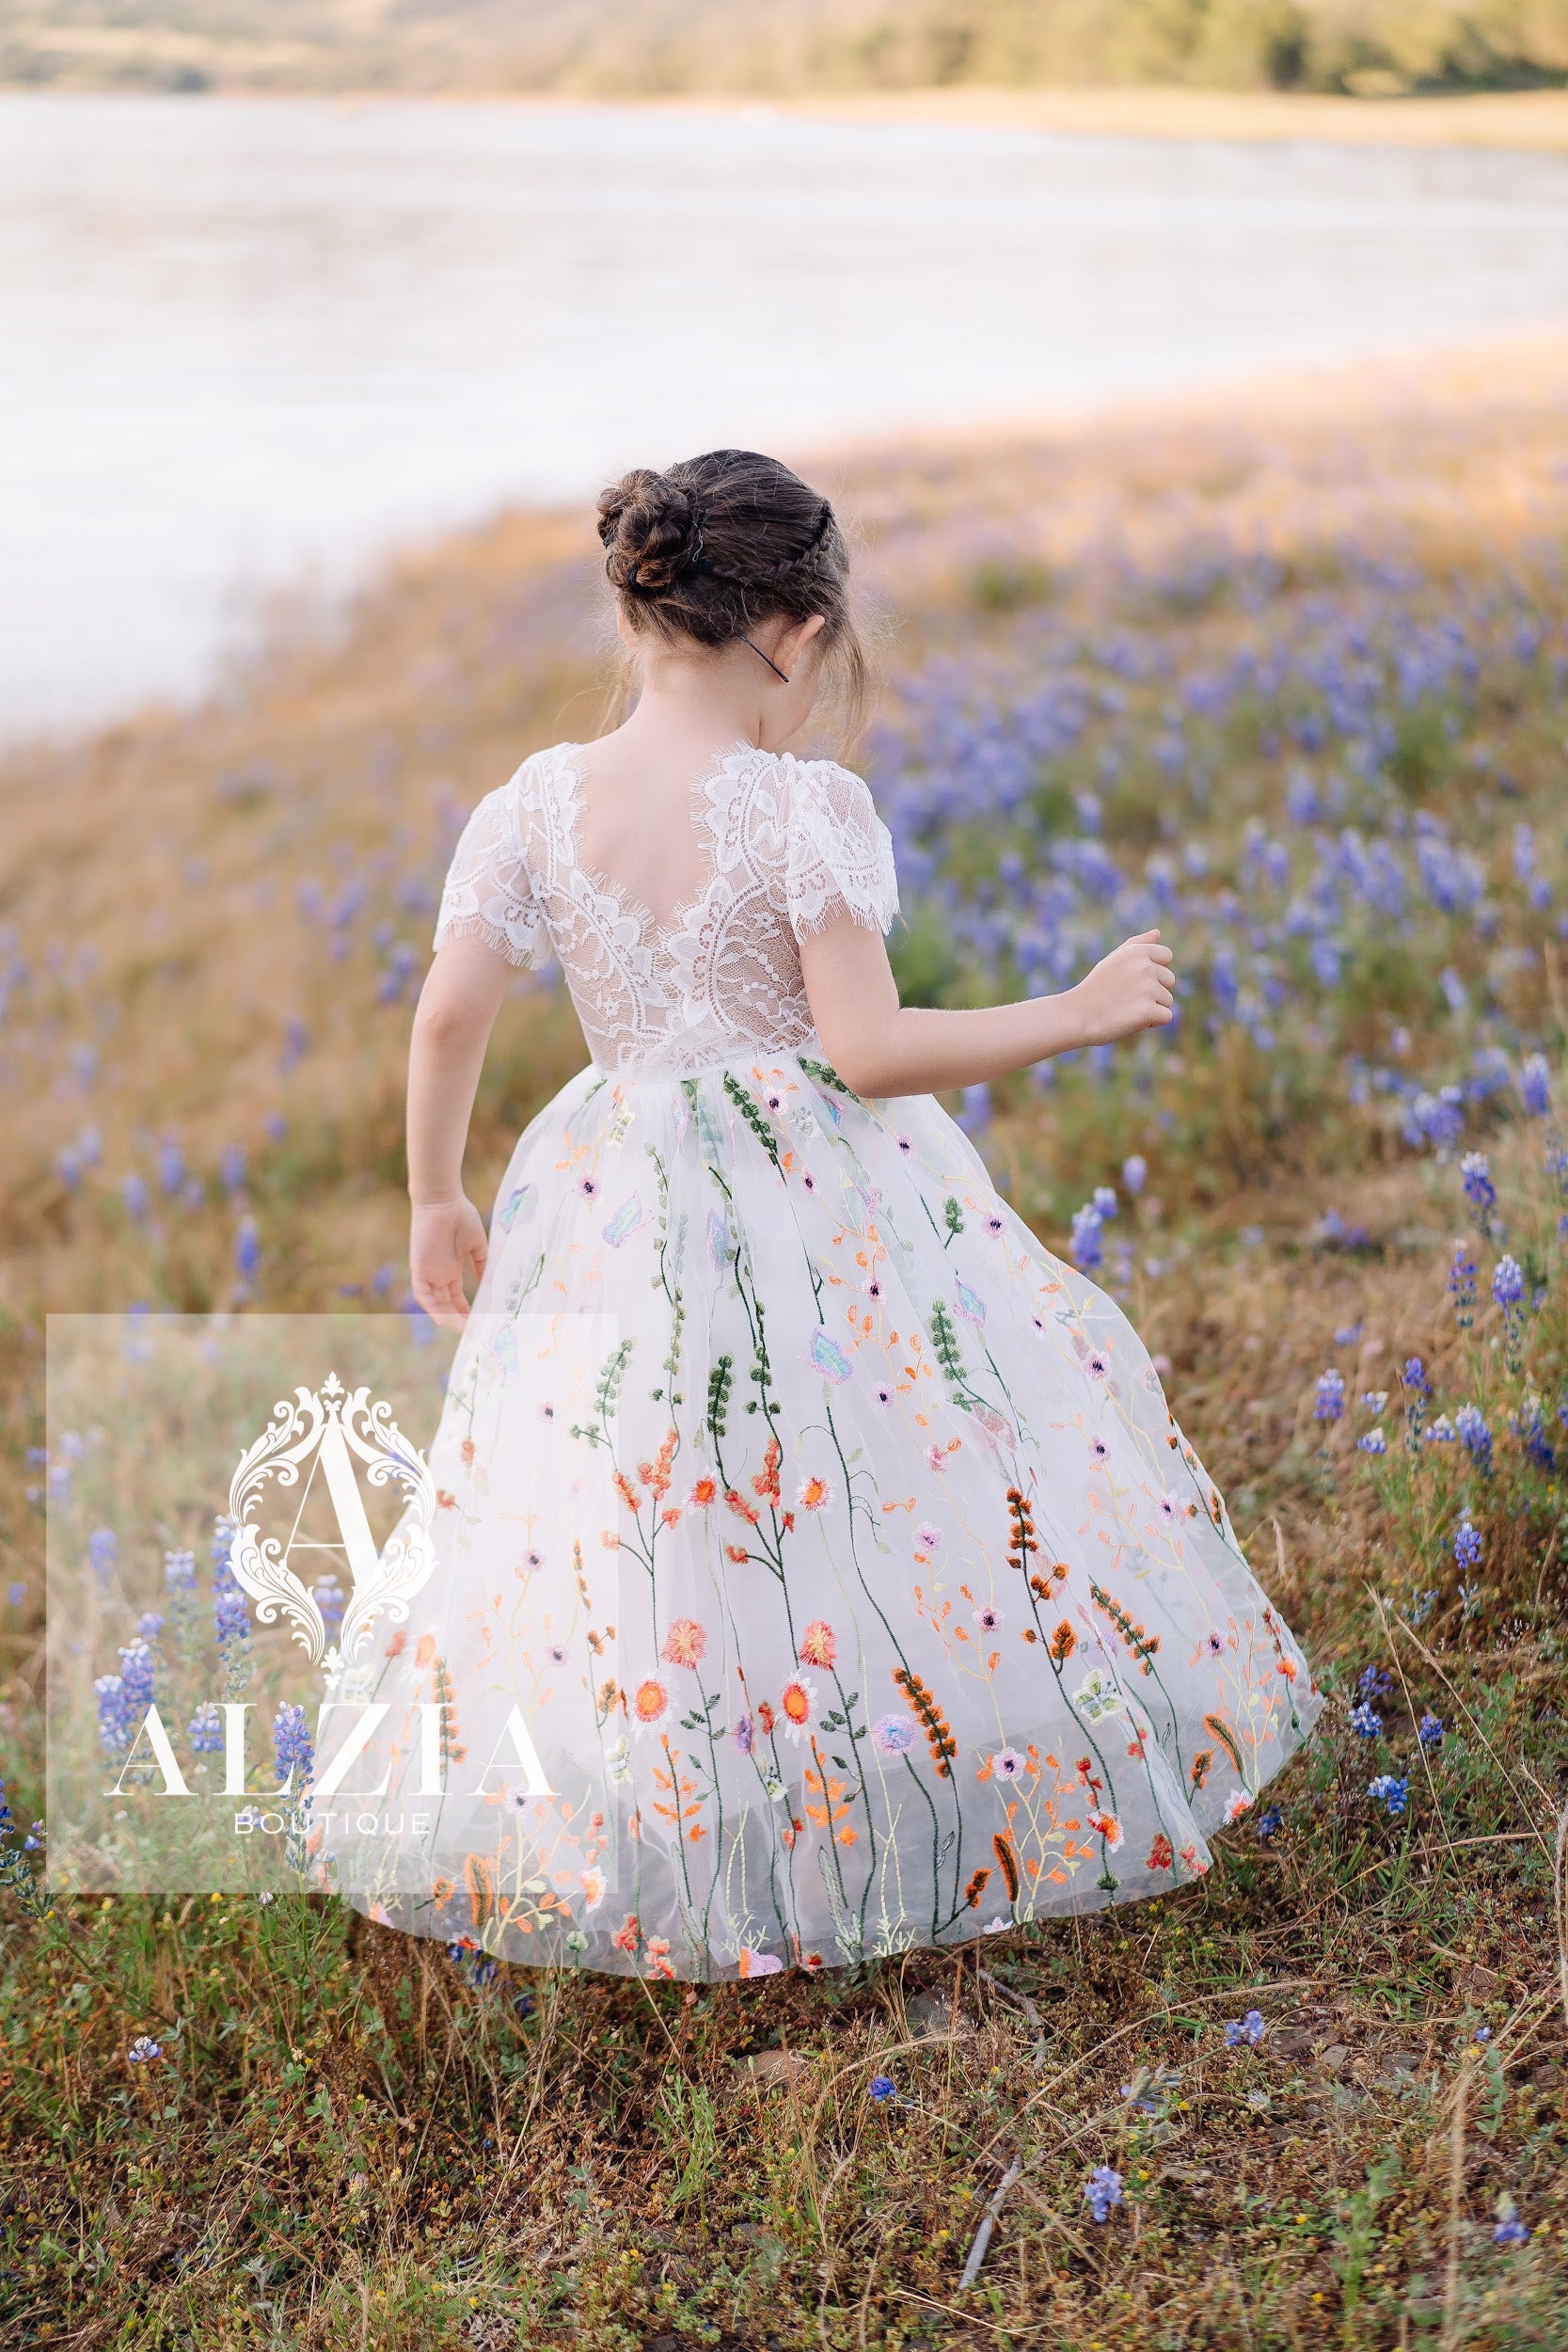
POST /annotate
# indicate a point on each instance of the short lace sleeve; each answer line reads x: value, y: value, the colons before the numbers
x: 489, y: 894
x: 839, y: 852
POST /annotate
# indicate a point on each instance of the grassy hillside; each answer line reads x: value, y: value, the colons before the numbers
x: 1289, y: 676
x: 1374, y: 47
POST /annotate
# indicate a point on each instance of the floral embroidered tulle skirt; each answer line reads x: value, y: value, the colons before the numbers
x: 821, y: 1572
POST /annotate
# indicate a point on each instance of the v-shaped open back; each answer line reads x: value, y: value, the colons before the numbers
x: 786, y: 847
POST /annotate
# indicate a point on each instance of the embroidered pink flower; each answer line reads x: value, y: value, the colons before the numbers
x: 685, y: 1642
x: 649, y: 1701
x: 818, y: 1644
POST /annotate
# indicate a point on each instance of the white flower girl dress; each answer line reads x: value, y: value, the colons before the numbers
x: 820, y: 1570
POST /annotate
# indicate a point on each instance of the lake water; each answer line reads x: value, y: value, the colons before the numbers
x: 243, y: 342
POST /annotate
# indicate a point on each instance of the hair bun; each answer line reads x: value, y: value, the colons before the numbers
x: 649, y: 526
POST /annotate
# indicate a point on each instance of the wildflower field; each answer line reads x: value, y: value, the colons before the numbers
x: 1287, y: 677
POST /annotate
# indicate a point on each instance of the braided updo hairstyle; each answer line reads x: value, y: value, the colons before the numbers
x: 718, y: 544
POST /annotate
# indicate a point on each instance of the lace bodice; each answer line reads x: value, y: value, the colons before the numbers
x: 791, y: 843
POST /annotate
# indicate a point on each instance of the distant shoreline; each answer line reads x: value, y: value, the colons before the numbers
x: 1521, y: 120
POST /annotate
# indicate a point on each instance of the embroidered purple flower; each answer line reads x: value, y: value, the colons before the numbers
x: 892, y: 1734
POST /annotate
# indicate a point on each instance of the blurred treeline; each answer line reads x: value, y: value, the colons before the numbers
x: 607, y: 47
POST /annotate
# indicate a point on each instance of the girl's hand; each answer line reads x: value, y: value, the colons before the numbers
x: 446, y: 1234
x: 1128, y: 990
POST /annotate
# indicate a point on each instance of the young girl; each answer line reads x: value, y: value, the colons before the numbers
x: 821, y: 1572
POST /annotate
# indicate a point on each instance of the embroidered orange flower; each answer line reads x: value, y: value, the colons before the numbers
x: 1160, y: 1854
x: 426, y: 1650
x: 742, y: 1509
x: 704, y: 1492
x: 650, y: 1701
x: 815, y: 1495
x: 798, y: 1700
x: 765, y: 1716
x: 629, y: 1935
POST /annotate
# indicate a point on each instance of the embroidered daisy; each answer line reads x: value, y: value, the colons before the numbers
x: 1108, y: 1827
x: 592, y: 1884
x: 798, y: 1705
x: 705, y: 1491
x: 815, y: 1495
x: 649, y: 1701
x: 1236, y: 1804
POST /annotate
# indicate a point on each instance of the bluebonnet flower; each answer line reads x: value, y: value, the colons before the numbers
x: 1134, y: 1173
x: 276, y: 1126
x: 1442, y: 1432
x: 881, y: 2088
x: 231, y: 1167
x: 975, y: 1112
x: 1105, y: 1199
x: 171, y: 1166
x: 1375, y: 1683
x: 1466, y: 1545
x: 1250, y: 2028
x: 150, y: 1625
x: 1508, y: 1283
x: 1510, y: 2230
x: 205, y: 1729
x: 102, y: 1552
x: 1482, y: 1193
x: 1462, y: 1285
x: 133, y: 1191
x: 144, y: 2049
x: 1417, y: 1395
x: 1394, y: 1793
x: 1453, y: 989
x: 16, y: 1593
x: 1473, y: 1434
x: 1270, y: 1824
x: 1529, y: 1423
x: 247, y: 1249
x: 1086, y: 1247
x: 180, y: 1571
x: 1430, y: 1730
x: 1372, y: 1442
x: 1330, y: 1402
x: 1366, y: 1721
x: 291, y: 1746
x: 332, y: 1600
x: 1103, y: 2191
x: 1535, y: 1090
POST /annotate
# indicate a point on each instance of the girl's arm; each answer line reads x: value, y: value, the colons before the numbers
x: 879, y: 1047
x: 456, y: 1012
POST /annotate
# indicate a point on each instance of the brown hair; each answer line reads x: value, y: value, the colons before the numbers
x: 717, y: 544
